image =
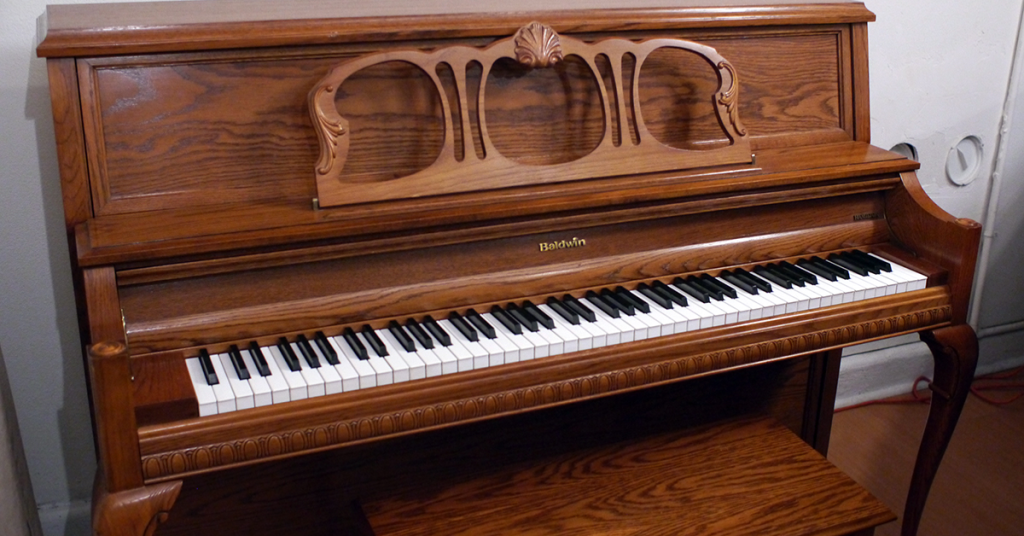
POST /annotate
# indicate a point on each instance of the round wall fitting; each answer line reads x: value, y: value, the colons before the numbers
x: 906, y: 150
x: 964, y: 160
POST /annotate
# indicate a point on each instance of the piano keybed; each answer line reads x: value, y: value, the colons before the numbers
x: 320, y: 365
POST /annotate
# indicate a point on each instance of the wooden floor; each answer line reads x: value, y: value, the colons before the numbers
x: 979, y: 490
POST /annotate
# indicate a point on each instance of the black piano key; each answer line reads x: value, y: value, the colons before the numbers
x: 288, y: 354
x: 238, y: 363
x: 793, y: 279
x: 307, y: 351
x: 615, y: 301
x: 840, y: 272
x: 882, y: 265
x: 578, y: 308
x: 738, y: 281
x: 710, y: 281
x: 539, y: 315
x: 563, y: 311
x: 480, y: 324
x: 628, y: 296
x: 670, y: 293
x: 401, y: 336
x: 259, y: 359
x: 374, y: 341
x: 598, y: 301
x: 772, y: 276
x: 753, y: 279
x: 869, y: 266
x: 355, y: 344
x: 207, y: 366
x: 463, y: 326
x: 798, y: 272
x: 325, y: 348
x: 714, y: 292
x: 521, y: 316
x: 421, y: 336
x: 851, y: 266
x: 815, y: 268
x: 437, y: 331
x: 506, y: 320
x: 699, y: 293
x: 653, y: 295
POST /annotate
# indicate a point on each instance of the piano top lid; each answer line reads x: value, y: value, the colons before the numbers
x: 148, y: 27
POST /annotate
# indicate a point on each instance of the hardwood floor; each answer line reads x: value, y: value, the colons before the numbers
x: 979, y: 490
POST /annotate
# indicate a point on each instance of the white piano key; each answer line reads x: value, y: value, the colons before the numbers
x: 449, y: 361
x: 240, y: 387
x: 510, y: 347
x: 280, y: 391
x: 431, y: 364
x: 367, y: 373
x: 397, y: 368
x: 348, y: 374
x: 481, y: 356
x: 331, y: 378
x: 225, y: 396
x: 572, y: 339
x: 417, y: 368
x: 525, y: 347
x: 262, y: 393
x: 296, y: 382
x: 315, y: 384
x: 204, y: 392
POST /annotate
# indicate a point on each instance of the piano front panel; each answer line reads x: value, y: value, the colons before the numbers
x: 196, y: 309
x: 177, y: 131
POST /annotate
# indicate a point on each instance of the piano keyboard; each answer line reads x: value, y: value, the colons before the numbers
x: 303, y: 368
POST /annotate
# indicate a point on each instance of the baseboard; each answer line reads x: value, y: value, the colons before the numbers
x: 889, y: 368
x: 66, y: 519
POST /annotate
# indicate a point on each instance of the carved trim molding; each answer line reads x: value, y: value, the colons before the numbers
x: 184, y: 461
x: 534, y: 45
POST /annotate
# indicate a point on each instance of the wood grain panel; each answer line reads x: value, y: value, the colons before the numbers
x: 735, y: 478
x: 215, y: 129
x: 310, y: 494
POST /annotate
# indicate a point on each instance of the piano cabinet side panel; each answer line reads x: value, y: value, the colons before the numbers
x: 313, y: 494
x: 924, y: 228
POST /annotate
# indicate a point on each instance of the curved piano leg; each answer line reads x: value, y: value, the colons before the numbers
x: 955, y: 350
x: 133, y: 512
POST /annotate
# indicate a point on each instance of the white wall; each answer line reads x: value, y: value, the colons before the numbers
x: 939, y: 70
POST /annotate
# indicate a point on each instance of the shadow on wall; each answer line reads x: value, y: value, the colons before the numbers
x: 17, y: 508
x: 73, y: 415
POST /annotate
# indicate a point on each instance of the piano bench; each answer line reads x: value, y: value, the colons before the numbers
x: 750, y: 476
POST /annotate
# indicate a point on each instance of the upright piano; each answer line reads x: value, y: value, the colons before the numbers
x: 326, y: 251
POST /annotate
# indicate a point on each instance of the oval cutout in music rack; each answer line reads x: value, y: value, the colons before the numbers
x: 673, y: 94
x: 558, y: 117
x: 413, y: 132
x: 478, y: 165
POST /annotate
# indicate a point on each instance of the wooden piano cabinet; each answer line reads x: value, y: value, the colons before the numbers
x: 242, y: 171
x: 313, y: 495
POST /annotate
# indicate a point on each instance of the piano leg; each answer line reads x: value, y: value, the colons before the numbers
x: 955, y: 350
x: 133, y: 512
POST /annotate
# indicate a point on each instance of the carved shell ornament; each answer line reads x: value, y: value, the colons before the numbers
x: 537, y: 45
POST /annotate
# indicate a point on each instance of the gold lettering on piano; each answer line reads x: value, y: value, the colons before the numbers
x: 868, y: 216
x: 563, y: 244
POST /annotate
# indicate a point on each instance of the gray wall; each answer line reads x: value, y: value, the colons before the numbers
x: 939, y: 70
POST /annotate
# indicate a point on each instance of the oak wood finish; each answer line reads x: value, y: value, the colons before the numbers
x: 188, y: 152
x: 658, y: 485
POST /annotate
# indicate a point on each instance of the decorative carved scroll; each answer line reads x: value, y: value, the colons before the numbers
x: 534, y: 46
